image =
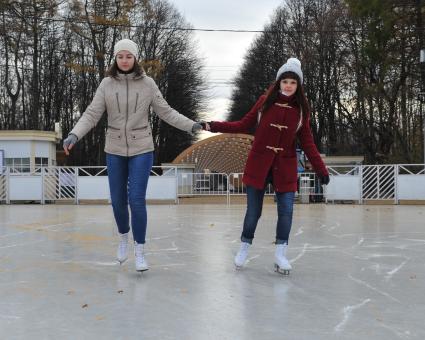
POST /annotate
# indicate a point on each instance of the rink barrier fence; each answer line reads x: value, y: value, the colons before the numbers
x: 356, y: 183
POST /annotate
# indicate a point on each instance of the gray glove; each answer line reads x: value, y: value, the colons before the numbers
x: 196, y: 127
x: 71, y: 139
x: 69, y: 142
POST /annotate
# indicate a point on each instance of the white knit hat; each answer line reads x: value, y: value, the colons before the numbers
x: 126, y: 45
x: 292, y: 65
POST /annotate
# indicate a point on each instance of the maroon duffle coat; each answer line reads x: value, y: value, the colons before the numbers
x: 274, y: 146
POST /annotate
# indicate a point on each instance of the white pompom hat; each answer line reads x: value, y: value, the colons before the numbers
x: 126, y: 45
x: 292, y: 65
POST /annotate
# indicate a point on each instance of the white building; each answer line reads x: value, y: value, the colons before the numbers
x: 26, y: 150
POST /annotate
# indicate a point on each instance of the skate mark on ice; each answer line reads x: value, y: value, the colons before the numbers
x: 401, y: 335
x: 13, y: 234
x: 373, y: 256
x: 94, y: 263
x: 337, y: 225
x: 31, y: 227
x: 173, y: 248
x: 10, y: 317
x: 160, y: 237
x: 300, y: 254
x: 359, y: 243
x: 299, y: 232
x: 395, y: 270
x: 413, y: 240
x: 252, y: 258
x: 348, y: 310
x: 168, y: 265
x: 21, y: 244
x: 328, y: 228
x: 373, y: 288
x: 322, y: 225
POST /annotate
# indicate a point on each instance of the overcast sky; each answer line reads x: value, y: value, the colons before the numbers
x: 223, y: 52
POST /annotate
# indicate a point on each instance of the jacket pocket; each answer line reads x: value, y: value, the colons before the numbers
x: 113, y: 128
x: 257, y: 165
x: 137, y: 134
x: 140, y: 128
x: 118, y: 102
x: 114, y: 134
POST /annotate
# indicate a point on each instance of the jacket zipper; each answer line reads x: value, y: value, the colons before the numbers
x: 126, y: 115
x: 137, y: 98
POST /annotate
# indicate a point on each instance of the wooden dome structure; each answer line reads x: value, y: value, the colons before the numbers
x: 223, y: 153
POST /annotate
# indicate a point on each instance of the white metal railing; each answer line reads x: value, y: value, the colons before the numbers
x: 378, y: 182
x: 345, y: 184
x: 410, y: 182
x: 355, y: 183
x: 236, y: 187
x: 411, y: 169
x: 220, y: 184
x: 55, y: 183
x: 4, y: 184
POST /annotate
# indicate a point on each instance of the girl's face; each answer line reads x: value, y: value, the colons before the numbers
x: 125, y: 60
x: 289, y: 86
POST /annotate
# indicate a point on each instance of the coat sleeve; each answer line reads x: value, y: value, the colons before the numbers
x: 93, y: 113
x: 307, y: 144
x: 243, y: 125
x: 167, y: 113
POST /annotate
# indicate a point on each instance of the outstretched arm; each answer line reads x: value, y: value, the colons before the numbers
x: 93, y: 113
x: 243, y: 125
x: 168, y: 114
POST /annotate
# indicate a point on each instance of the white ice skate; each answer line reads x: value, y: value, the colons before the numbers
x: 141, y: 264
x: 122, y: 251
x: 240, y: 258
x: 281, y: 263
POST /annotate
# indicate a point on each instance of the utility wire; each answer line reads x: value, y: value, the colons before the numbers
x: 169, y: 28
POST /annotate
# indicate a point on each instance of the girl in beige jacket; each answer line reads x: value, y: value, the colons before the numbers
x: 127, y: 95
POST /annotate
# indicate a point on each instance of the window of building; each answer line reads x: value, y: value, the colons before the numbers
x: 41, y: 161
x: 18, y: 164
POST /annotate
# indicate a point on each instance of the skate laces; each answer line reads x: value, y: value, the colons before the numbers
x: 138, y: 250
x: 123, y: 246
x: 123, y: 242
x: 243, y: 251
x: 245, y: 246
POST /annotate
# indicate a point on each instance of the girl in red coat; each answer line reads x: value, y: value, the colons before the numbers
x: 282, y: 116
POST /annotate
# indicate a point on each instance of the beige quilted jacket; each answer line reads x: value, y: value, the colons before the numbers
x: 127, y: 101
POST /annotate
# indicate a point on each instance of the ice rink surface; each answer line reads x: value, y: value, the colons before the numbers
x: 358, y: 273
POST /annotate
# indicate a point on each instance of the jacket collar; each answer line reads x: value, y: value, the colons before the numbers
x: 132, y: 75
x: 286, y: 99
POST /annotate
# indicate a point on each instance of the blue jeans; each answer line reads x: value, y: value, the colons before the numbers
x: 285, y: 204
x: 128, y: 180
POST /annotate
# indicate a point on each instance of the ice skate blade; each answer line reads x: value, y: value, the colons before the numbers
x: 121, y: 262
x: 238, y: 268
x: 281, y: 271
x: 142, y: 270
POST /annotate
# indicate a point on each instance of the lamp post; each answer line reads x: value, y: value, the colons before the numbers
x: 422, y: 93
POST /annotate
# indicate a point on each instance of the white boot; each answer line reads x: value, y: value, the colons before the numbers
x: 242, y: 254
x: 281, y: 263
x: 122, y: 252
x: 141, y: 264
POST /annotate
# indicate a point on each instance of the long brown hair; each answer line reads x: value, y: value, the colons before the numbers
x: 272, y: 93
x: 137, y: 69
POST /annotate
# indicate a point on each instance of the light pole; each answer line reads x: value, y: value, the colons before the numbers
x: 422, y: 93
